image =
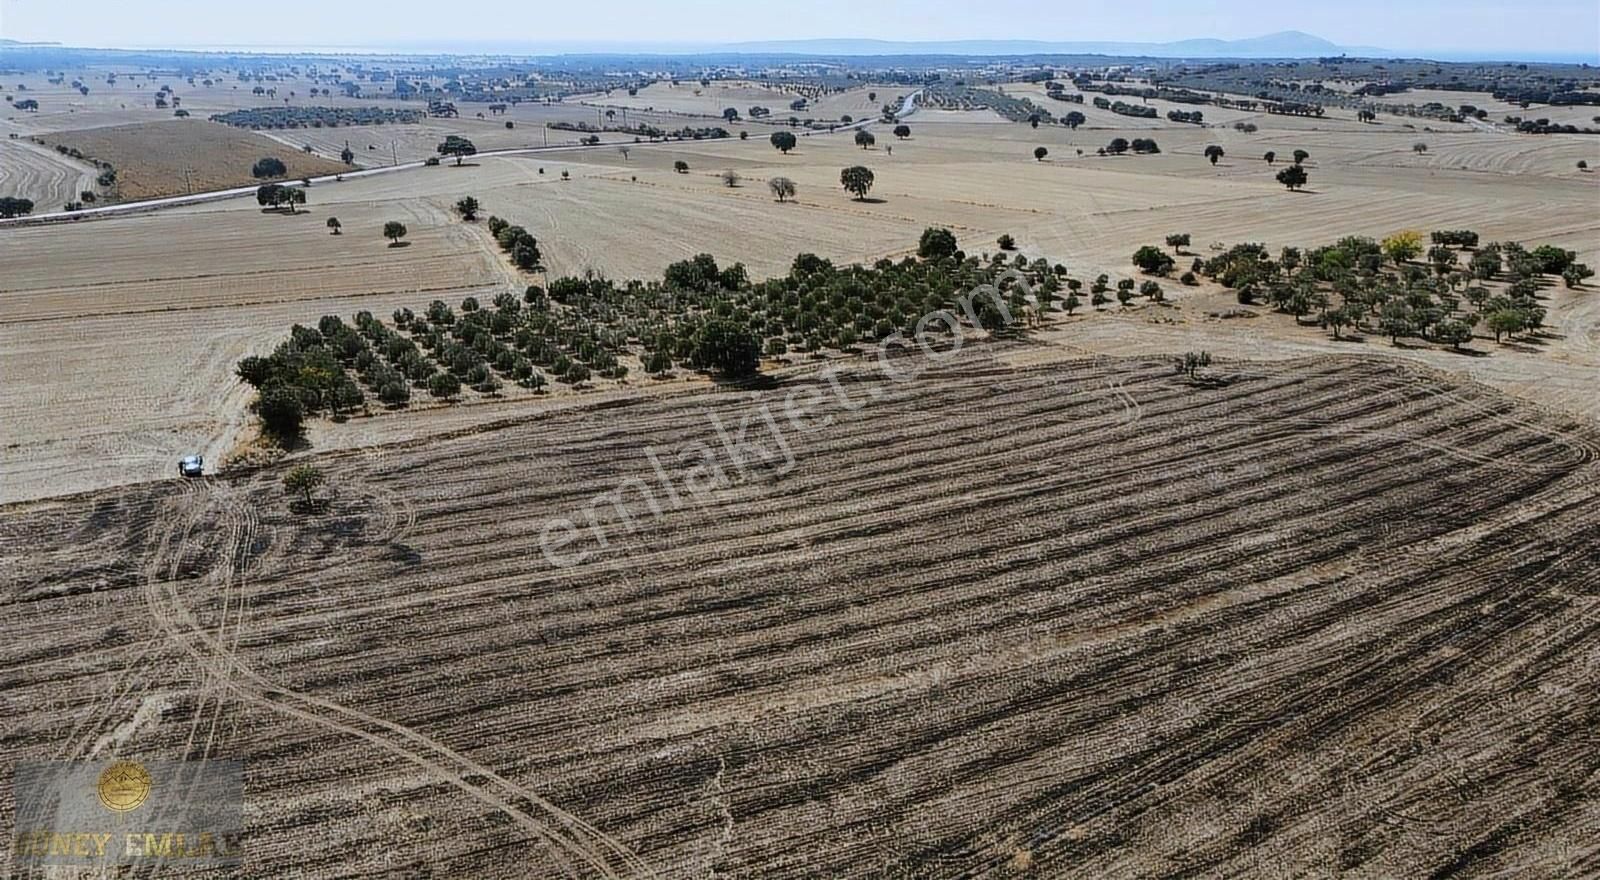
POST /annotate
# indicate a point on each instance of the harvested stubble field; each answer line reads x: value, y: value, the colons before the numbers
x: 626, y: 217
x: 185, y: 155
x: 1325, y: 618
x: 49, y: 179
x: 150, y: 330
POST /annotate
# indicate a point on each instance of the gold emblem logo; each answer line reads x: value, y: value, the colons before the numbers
x: 124, y: 786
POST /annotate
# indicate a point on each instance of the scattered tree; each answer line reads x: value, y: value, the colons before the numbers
x: 1300, y: 156
x: 1270, y: 156
x: 334, y: 225
x: 680, y: 166
x: 269, y: 167
x: 784, y: 141
x: 782, y: 187
x: 1178, y: 242
x: 1293, y: 177
x: 858, y: 179
x: 902, y: 131
x: 457, y: 146
x: 303, y: 480
x: 864, y: 138
x: 1039, y: 153
x: 394, y: 230
x: 467, y: 207
x: 11, y: 206
x: 1152, y: 260
x: 1214, y: 153
x: 730, y: 178
x: 937, y: 243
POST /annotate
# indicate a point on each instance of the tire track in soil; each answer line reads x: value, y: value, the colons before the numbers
x: 573, y: 843
x: 992, y: 619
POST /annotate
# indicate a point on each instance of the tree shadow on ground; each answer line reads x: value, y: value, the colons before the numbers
x: 758, y: 382
x: 304, y: 508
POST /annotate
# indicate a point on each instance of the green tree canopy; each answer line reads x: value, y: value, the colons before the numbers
x: 857, y: 179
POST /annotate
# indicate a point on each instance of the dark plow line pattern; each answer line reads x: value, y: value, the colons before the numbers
x: 1052, y: 621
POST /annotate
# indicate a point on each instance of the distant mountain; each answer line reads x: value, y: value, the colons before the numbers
x: 1288, y: 44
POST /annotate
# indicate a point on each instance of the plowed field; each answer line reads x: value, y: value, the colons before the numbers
x: 1090, y: 619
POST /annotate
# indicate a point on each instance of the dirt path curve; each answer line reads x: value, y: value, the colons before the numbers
x: 578, y: 847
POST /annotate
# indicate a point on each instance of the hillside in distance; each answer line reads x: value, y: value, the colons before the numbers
x: 1286, y: 44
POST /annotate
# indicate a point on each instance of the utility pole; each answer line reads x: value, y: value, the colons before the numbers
x: 394, y: 155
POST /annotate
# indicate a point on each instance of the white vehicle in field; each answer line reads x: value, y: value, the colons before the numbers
x: 191, y: 465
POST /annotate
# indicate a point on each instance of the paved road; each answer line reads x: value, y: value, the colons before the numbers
x: 907, y: 107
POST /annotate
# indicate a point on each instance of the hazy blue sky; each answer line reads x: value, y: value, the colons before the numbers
x: 1569, y: 27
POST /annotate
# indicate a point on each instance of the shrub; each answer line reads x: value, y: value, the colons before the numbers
x: 269, y: 167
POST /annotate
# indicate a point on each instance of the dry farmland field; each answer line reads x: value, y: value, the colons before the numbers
x: 185, y: 155
x: 218, y: 281
x: 1088, y: 620
x: 1038, y: 604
